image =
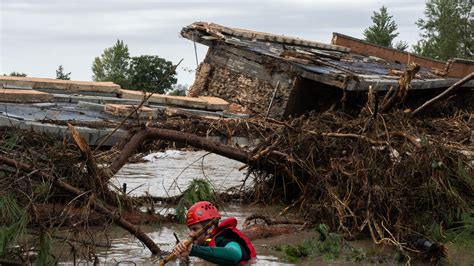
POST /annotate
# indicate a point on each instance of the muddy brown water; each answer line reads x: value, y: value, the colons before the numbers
x: 167, y: 174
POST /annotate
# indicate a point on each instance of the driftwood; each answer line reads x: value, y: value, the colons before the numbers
x: 97, y: 175
x: 191, y: 240
x: 270, y: 221
x: 270, y: 228
x: 444, y: 94
x: 175, y: 112
x: 401, y: 90
x: 189, y: 139
x: 98, y: 207
x: 223, y: 196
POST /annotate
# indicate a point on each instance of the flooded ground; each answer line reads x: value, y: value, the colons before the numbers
x: 126, y: 250
x: 168, y: 173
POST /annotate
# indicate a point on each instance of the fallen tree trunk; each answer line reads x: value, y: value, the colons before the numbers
x: 444, y: 94
x: 93, y: 202
x: 189, y: 139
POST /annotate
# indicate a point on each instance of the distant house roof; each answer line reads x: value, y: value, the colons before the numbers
x: 331, y: 64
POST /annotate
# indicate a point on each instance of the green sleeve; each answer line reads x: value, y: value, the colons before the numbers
x: 230, y: 254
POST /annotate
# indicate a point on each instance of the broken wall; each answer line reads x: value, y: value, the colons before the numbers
x: 242, y: 77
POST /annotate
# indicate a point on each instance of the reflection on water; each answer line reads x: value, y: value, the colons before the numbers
x: 165, y: 174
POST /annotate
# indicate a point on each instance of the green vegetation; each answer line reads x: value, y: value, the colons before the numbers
x: 328, y: 246
x: 13, y: 221
x: 113, y: 64
x: 460, y: 230
x: 146, y: 72
x: 198, y: 190
x: 331, y: 247
x: 447, y: 30
x: 384, y: 29
x: 44, y: 252
x: 17, y: 74
x: 461, y: 233
x: 61, y: 75
x: 401, y: 46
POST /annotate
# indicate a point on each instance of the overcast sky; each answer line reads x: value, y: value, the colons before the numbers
x: 36, y: 36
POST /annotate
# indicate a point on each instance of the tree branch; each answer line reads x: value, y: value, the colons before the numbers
x: 94, y: 204
x: 189, y: 139
x: 444, y: 94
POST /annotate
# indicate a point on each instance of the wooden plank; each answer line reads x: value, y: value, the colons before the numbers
x: 215, y: 103
x: 183, y: 101
x: 124, y: 110
x: 24, y: 96
x: 383, y: 84
x: 68, y: 86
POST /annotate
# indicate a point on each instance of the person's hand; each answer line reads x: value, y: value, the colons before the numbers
x: 180, y: 250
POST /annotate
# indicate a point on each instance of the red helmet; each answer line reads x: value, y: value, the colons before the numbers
x: 201, y: 211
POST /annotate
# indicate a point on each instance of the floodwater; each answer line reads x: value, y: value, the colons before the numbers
x: 167, y: 174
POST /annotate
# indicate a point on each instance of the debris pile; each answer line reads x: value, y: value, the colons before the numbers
x: 402, y: 177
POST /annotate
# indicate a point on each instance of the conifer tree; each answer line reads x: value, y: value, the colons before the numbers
x: 61, y: 75
x: 383, y: 31
x: 113, y: 64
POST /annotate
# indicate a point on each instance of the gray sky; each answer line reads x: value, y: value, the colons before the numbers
x: 36, y: 36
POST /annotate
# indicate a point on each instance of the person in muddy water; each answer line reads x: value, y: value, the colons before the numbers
x: 223, y: 244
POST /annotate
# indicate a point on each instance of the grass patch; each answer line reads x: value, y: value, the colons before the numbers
x: 13, y: 221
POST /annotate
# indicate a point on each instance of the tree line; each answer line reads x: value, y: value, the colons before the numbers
x: 446, y: 31
x: 145, y: 72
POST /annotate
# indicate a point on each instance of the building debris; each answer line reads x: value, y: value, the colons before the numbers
x: 58, y: 85
x: 24, y: 96
x: 100, y: 105
x: 123, y: 110
x: 244, y: 67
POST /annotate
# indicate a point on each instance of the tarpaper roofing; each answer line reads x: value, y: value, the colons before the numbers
x: 326, y: 63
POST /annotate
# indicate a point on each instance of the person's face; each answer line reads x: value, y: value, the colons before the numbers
x: 193, y: 230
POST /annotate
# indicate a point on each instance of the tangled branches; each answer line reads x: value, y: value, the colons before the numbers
x: 399, y: 178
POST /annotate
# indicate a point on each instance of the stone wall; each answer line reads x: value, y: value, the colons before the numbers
x: 243, y: 78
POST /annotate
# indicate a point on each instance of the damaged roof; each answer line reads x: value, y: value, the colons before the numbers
x: 327, y: 63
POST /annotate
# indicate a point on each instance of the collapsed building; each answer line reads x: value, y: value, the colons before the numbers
x: 279, y: 76
x: 244, y: 73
